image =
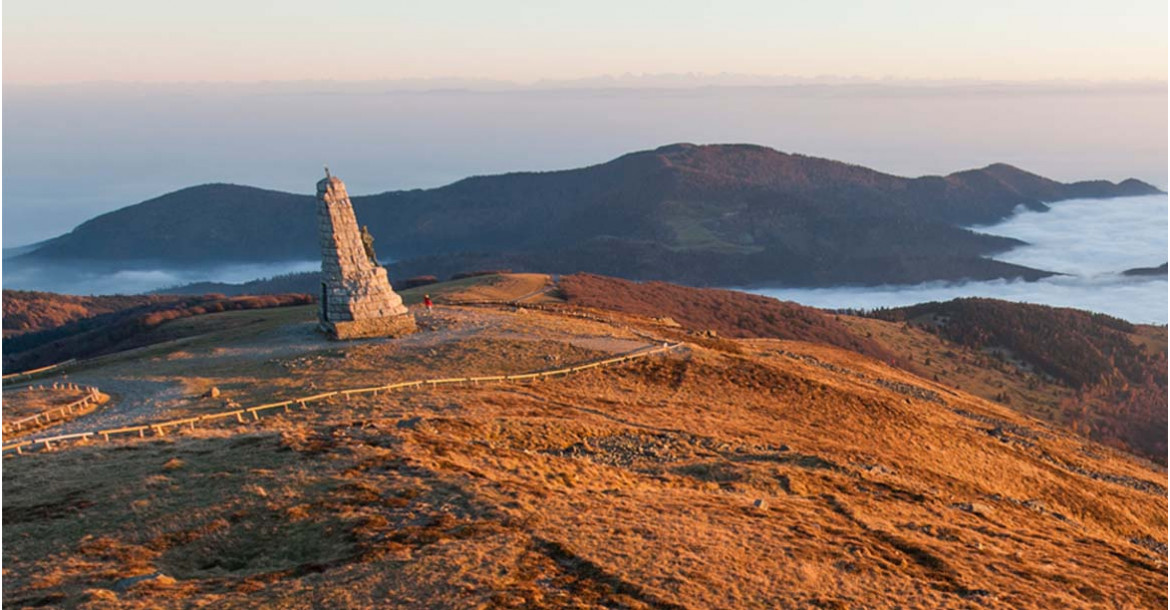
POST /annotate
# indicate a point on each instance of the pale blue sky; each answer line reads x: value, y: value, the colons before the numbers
x: 55, y: 41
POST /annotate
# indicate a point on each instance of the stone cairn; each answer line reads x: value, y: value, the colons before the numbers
x: 356, y: 298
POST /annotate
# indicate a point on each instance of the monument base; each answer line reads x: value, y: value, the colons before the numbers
x: 368, y: 328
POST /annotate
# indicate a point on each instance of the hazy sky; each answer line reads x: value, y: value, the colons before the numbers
x: 147, y: 40
x: 73, y: 151
x: 108, y: 103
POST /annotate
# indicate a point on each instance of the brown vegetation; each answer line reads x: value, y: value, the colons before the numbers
x: 416, y: 281
x: 28, y: 311
x: 55, y: 405
x: 479, y: 273
x: 727, y: 312
x: 1114, y: 372
x: 787, y: 474
x: 750, y: 472
x: 108, y: 331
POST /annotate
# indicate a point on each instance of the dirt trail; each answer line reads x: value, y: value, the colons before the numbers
x: 142, y: 393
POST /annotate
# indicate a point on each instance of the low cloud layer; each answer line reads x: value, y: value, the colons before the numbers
x: 1087, y: 237
x: 1092, y: 241
x: 75, y: 279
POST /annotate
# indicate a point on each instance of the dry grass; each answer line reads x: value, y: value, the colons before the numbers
x: 485, y: 288
x: 629, y: 487
x: 26, y: 401
x: 962, y: 368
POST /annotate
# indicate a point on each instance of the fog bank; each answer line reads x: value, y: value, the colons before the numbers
x: 1091, y: 241
x: 79, y: 278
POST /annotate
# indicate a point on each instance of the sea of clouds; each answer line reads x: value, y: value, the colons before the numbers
x: 1090, y: 241
x: 78, y: 278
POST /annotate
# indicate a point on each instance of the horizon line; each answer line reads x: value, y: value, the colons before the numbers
x: 633, y: 81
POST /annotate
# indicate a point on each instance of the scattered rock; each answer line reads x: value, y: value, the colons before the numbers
x: 212, y: 393
x: 760, y: 503
x: 976, y: 594
x: 157, y: 579
x: 905, y: 389
x: 1036, y: 505
x: 409, y: 423
x: 100, y: 595
x: 173, y: 464
x: 975, y: 508
x: 1123, y: 480
x: 876, y: 468
x: 1151, y: 544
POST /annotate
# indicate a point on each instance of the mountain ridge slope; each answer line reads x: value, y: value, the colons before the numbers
x: 707, y: 215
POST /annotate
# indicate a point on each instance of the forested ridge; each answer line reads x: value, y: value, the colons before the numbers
x: 105, y: 331
x: 721, y: 215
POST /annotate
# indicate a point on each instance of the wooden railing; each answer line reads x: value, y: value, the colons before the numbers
x: 243, y: 415
x: 45, y: 417
x: 21, y: 376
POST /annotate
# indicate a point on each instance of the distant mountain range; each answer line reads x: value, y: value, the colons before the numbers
x: 1159, y: 270
x: 705, y: 215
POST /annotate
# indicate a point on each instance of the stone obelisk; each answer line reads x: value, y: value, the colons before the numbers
x: 356, y: 298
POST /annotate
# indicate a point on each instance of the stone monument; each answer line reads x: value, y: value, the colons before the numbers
x: 356, y: 298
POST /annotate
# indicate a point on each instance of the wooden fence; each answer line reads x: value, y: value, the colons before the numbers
x: 25, y: 375
x: 45, y: 417
x: 253, y: 413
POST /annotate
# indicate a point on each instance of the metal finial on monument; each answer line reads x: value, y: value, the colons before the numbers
x: 327, y: 176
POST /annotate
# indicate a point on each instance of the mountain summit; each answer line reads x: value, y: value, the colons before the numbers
x: 731, y: 214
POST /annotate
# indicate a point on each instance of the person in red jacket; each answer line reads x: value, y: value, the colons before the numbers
x: 427, y: 301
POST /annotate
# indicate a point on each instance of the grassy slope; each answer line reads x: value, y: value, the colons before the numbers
x: 28, y: 311
x: 1102, y: 377
x: 725, y: 312
x: 120, y: 329
x: 627, y: 487
x: 1009, y: 381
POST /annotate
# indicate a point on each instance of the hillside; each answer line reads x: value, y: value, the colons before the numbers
x: 1090, y: 374
x: 725, y: 313
x: 730, y: 473
x: 718, y: 214
x: 27, y: 311
x: 84, y: 327
x: 1104, y: 377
